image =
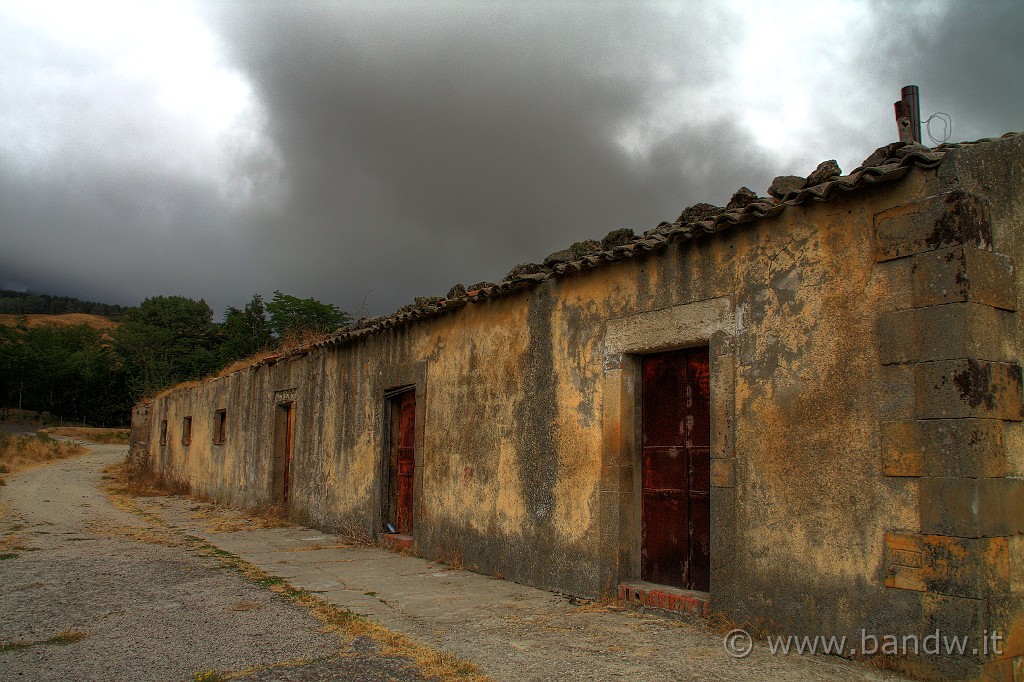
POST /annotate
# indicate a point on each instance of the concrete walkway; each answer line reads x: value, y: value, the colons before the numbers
x: 511, y: 631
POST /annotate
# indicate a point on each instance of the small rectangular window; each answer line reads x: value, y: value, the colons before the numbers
x: 220, y: 425
x: 186, y: 431
x: 163, y: 432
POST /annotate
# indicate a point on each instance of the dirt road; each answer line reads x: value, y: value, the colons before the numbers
x: 86, y: 594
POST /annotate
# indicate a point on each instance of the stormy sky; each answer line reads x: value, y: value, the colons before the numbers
x: 364, y: 152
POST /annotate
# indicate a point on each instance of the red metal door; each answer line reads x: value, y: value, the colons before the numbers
x: 675, y: 515
x: 406, y: 462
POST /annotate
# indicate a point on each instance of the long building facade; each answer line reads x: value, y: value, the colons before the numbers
x: 803, y: 412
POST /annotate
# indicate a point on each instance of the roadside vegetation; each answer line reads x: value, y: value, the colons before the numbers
x: 92, y: 435
x: 19, y: 452
x: 125, y: 479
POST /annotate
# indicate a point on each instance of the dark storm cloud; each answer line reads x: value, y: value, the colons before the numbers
x: 427, y: 146
x: 397, y: 148
x: 117, y: 236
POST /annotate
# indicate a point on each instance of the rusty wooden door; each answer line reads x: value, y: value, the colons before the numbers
x: 284, y: 418
x: 406, y: 462
x: 675, y: 515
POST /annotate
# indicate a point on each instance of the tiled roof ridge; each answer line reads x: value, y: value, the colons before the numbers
x: 891, y: 162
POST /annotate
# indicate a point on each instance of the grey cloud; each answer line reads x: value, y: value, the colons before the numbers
x: 426, y: 147
x: 966, y: 60
x: 427, y: 143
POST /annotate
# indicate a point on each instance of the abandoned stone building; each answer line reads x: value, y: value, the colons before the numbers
x: 802, y: 411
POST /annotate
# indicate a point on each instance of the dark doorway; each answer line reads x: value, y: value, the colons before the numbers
x: 675, y: 515
x: 284, y: 421
x: 398, y: 513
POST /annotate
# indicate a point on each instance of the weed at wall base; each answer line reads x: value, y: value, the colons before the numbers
x: 140, y: 481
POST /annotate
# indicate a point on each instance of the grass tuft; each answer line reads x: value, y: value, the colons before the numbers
x: 218, y: 519
x: 60, y: 639
x: 603, y: 605
x: 128, y: 478
x: 210, y: 676
x: 66, y: 637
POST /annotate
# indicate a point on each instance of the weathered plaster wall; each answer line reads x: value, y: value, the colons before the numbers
x: 527, y: 413
x: 511, y: 404
x: 811, y: 397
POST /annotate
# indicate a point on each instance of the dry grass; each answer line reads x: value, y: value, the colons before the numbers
x: 246, y: 363
x: 19, y: 452
x: 60, y: 639
x: 433, y: 663
x: 105, y: 436
x: 357, y: 536
x: 134, y: 481
x: 317, y: 546
x: 217, y: 519
x: 150, y: 535
x: 302, y: 341
x: 452, y: 558
x: 603, y: 605
x: 171, y: 389
x: 11, y: 415
x: 454, y: 562
x: 723, y: 624
x: 126, y: 480
x: 12, y: 543
x: 218, y: 676
x: 37, y: 320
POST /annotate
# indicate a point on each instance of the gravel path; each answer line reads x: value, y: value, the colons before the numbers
x: 89, y: 592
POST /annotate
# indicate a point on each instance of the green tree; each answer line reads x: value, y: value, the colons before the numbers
x: 70, y: 372
x: 245, y: 331
x: 167, y: 339
x: 13, y: 364
x: 292, y: 317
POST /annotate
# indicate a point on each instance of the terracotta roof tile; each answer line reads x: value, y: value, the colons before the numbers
x: 889, y: 164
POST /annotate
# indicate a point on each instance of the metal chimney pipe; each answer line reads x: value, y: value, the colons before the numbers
x: 912, y: 97
x: 908, y: 114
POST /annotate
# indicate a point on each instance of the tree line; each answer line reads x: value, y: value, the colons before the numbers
x: 78, y: 373
x: 25, y: 303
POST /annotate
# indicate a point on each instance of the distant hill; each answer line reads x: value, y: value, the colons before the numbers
x: 67, y: 320
x: 28, y: 303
